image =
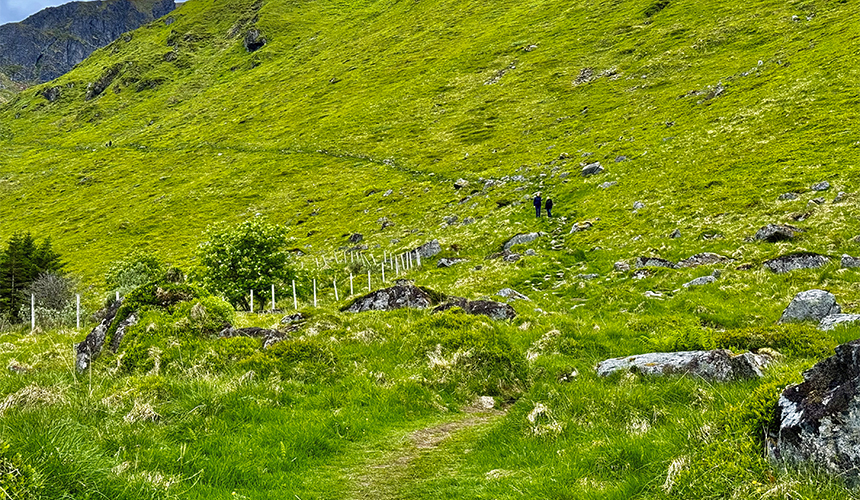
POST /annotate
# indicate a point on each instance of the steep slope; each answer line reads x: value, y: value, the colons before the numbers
x: 718, y: 109
x: 52, y: 41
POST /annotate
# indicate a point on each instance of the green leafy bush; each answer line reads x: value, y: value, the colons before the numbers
x: 133, y: 271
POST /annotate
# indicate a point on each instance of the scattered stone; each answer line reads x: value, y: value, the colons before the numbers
x: 449, y: 262
x: 592, y: 169
x: 429, y: 249
x: 654, y: 262
x: 587, y: 277
x: 718, y: 365
x: 52, y: 94
x: 821, y: 186
x: 467, y: 221
x: 638, y: 205
x: 849, y: 261
x: 389, y: 299
x: 840, y: 196
x: 510, y: 293
x: 585, y: 76
x: 254, y: 40
x: 293, y: 318
x: 563, y: 156
x: 621, y: 266
x: 832, y: 321
x: 817, y: 420
x: 451, y: 219
x: 789, y: 196
x: 776, y: 232
x: 641, y: 274
x: 811, y: 305
x: 621, y: 158
x: 703, y: 259
x: 607, y: 185
x: 581, y: 226
x: 530, y: 252
x: 489, y: 308
x: 460, y: 183
x: 123, y: 327
x: 675, y: 234
x: 388, y: 193
x: 702, y: 280
x: 653, y: 295
x: 511, y: 257
x: 520, y: 239
x: 792, y: 262
x: 817, y: 201
x: 356, y: 238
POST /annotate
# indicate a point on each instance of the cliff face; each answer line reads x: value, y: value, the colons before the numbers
x: 50, y: 42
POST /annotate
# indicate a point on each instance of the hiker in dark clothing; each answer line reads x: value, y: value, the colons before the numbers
x: 549, y: 207
x: 537, y: 204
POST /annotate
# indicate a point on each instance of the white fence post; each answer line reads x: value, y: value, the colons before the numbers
x: 78, y: 311
x: 32, y: 312
x: 295, y: 301
x: 273, y: 298
x: 334, y: 282
x: 368, y: 281
x: 252, y: 300
x: 383, y: 271
x: 315, y: 292
x: 351, y: 293
x: 418, y: 257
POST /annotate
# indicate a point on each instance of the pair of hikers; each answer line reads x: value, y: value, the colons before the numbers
x: 537, y: 204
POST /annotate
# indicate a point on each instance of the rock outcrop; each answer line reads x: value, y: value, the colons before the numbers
x: 49, y: 43
x: 489, y: 308
x: 389, y: 299
x: 833, y: 320
x: 776, y: 232
x: 795, y: 261
x: 719, y: 365
x: 428, y: 249
x: 811, y: 305
x: 818, y: 420
x: 654, y: 262
x: 520, y: 239
x: 703, y: 259
x: 849, y: 261
x: 269, y: 337
x: 91, y: 347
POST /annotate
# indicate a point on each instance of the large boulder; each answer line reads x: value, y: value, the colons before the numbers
x: 811, y: 305
x: 428, y: 249
x: 489, y: 308
x: 795, y: 261
x: 776, y: 232
x: 654, y: 262
x: 520, y: 239
x: 388, y: 299
x: 818, y: 420
x: 91, y: 347
x: 720, y: 365
x: 832, y: 321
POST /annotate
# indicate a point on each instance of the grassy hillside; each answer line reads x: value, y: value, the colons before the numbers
x: 357, y: 113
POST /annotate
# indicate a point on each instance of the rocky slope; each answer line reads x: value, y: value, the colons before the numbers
x: 51, y: 42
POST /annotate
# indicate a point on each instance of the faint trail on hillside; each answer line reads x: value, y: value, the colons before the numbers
x: 383, y: 478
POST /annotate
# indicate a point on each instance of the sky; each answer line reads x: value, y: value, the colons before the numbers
x: 17, y: 10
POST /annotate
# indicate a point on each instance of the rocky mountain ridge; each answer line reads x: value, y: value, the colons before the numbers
x: 51, y: 42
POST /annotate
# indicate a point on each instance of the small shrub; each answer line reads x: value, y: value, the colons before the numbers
x: 133, y: 271
x: 18, y: 479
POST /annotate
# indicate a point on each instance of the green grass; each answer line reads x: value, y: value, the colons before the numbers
x: 349, y: 100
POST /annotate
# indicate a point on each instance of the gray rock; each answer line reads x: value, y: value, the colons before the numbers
x: 389, y: 299
x: 607, y: 185
x: 818, y: 421
x: 776, y: 232
x: 793, y: 262
x: 460, y: 183
x: 91, y: 347
x: 121, y: 330
x: 821, y: 186
x: 817, y: 201
x: 718, y: 365
x: 269, y: 337
x: 587, y: 277
x: 511, y: 257
x: 654, y: 262
x: 641, y: 274
x: 839, y: 197
x: 428, y: 249
x: 832, y: 321
x: 621, y: 266
x: 638, y: 205
x: 356, y: 238
x: 702, y: 280
x: 388, y: 193
x: 451, y: 219
x: 520, y: 239
x: 789, y: 196
x: 449, y: 262
x: 254, y: 40
x: 849, y: 261
x: 592, y: 169
x: 489, y: 308
x: 621, y: 158
x: 581, y: 226
x: 530, y: 252
x: 510, y: 293
x: 811, y: 305
x: 467, y: 221
x: 703, y: 259
x: 675, y: 234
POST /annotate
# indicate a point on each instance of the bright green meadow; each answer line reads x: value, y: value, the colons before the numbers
x: 358, y: 117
